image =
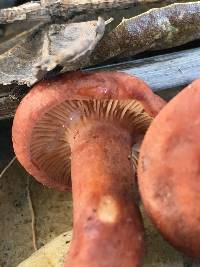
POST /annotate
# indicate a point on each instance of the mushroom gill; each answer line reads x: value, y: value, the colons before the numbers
x: 50, y: 148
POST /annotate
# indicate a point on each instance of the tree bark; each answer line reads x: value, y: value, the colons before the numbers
x: 49, y: 10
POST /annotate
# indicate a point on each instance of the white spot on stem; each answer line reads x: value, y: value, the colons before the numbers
x: 108, y: 210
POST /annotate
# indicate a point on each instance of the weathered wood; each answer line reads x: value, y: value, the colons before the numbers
x: 7, y: 107
x: 164, y: 71
x: 46, y: 46
x: 16, y: 35
x: 156, y: 29
x: 67, y: 10
x: 165, y: 74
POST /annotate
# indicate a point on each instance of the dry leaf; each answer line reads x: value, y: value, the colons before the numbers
x: 50, y: 255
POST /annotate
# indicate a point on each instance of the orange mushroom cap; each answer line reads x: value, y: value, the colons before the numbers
x: 169, y: 170
x: 42, y: 118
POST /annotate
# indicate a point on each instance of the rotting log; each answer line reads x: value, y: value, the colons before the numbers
x: 156, y: 29
x: 165, y: 74
x: 50, y: 10
x: 72, y: 46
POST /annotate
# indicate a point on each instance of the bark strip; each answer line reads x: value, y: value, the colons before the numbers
x: 156, y: 29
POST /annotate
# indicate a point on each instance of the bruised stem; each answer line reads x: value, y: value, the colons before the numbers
x: 107, y: 227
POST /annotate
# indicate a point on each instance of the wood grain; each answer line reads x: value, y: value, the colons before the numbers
x: 164, y: 71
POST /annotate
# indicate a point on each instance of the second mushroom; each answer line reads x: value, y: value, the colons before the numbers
x: 81, y: 128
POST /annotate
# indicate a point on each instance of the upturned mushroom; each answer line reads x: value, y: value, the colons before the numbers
x: 88, y: 123
x: 169, y: 171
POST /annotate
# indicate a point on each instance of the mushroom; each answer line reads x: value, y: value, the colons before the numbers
x: 169, y: 171
x: 88, y: 123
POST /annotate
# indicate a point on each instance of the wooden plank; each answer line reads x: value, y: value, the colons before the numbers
x: 162, y: 72
x: 166, y: 74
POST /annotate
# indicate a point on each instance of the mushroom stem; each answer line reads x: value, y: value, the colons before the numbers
x: 107, y: 225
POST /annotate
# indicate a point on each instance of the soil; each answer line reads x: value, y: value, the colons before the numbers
x: 52, y: 209
x: 53, y: 215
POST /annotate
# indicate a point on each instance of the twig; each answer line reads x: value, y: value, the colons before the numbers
x: 7, y: 167
x: 109, y: 21
x: 33, y: 224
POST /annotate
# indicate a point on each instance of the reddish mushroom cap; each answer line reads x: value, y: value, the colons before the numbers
x: 43, y: 108
x: 169, y: 170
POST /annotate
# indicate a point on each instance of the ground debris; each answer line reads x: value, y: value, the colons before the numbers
x: 61, y: 47
x: 33, y: 221
x: 49, y: 45
x: 7, y: 167
x: 53, y: 10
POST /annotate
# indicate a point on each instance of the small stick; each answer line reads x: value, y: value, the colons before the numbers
x: 109, y: 21
x: 33, y: 224
x: 7, y: 167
